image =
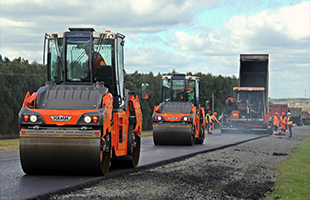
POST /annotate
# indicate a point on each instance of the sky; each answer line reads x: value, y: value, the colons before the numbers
x: 205, y: 36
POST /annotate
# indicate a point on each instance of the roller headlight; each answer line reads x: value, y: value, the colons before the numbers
x: 185, y: 118
x: 33, y: 118
x: 159, y: 118
x: 87, y: 119
x: 111, y: 36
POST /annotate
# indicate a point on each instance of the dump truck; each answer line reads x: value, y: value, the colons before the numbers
x: 83, y: 119
x: 296, y: 115
x: 179, y: 118
x: 279, y: 108
x: 250, y: 108
x: 305, y: 117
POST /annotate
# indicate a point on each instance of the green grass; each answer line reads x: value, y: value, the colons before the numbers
x: 11, y: 144
x: 146, y: 133
x: 293, y: 175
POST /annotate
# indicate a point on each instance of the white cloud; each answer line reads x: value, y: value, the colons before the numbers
x: 163, y: 34
x: 32, y: 18
x: 283, y: 34
x: 268, y: 29
x: 272, y: 27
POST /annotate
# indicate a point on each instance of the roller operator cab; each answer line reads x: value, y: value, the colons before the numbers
x: 179, y: 119
x: 83, y: 119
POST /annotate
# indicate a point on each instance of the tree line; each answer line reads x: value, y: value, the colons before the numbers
x: 19, y: 76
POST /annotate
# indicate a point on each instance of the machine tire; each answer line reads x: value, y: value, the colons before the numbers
x: 201, y: 138
x: 133, y: 152
x: 105, y: 156
x: 269, y: 131
x: 131, y: 160
x: 192, y: 141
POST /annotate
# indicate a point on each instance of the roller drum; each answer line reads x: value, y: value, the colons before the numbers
x: 50, y: 155
x: 173, y: 135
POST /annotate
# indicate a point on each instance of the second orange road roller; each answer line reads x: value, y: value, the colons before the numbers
x: 83, y: 119
x: 179, y: 118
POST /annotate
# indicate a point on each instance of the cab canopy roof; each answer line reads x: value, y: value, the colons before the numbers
x: 254, y: 89
x: 187, y: 77
x: 95, y: 33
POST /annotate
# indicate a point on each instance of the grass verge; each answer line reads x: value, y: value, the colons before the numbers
x: 146, y: 133
x: 293, y: 175
x: 10, y: 144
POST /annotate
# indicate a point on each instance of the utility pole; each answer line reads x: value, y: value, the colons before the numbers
x: 212, y: 102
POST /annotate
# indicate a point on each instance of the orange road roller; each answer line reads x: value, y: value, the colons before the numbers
x: 83, y: 119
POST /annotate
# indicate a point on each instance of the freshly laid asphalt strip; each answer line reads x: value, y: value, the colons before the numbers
x: 15, y: 184
x: 244, y: 171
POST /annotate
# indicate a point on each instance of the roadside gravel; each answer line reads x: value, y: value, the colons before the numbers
x: 244, y: 171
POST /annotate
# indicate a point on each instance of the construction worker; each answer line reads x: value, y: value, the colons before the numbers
x: 208, y: 121
x: 230, y: 102
x: 190, y: 93
x: 283, y: 119
x: 229, y: 99
x: 97, y: 58
x: 289, y: 123
x: 179, y: 95
x: 276, y: 123
x: 213, y: 119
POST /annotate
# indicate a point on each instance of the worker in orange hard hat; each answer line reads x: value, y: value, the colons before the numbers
x: 283, y: 122
x: 289, y: 123
x: 213, y: 119
x: 276, y: 123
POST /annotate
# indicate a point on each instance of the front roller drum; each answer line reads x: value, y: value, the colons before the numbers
x: 52, y: 155
x: 173, y: 135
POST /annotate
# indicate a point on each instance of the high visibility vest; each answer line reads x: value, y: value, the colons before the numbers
x: 213, y: 118
x: 208, y: 118
x: 283, y: 119
x: 289, y: 121
x: 97, y: 60
x: 276, y: 121
x: 229, y: 99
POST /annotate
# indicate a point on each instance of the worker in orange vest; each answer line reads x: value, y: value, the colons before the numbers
x: 283, y: 119
x: 289, y: 123
x: 97, y: 58
x: 229, y: 99
x: 229, y: 102
x: 213, y: 119
x: 276, y: 122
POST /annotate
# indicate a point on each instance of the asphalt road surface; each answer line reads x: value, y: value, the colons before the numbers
x: 243, y: 171
x: 15, y: 184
